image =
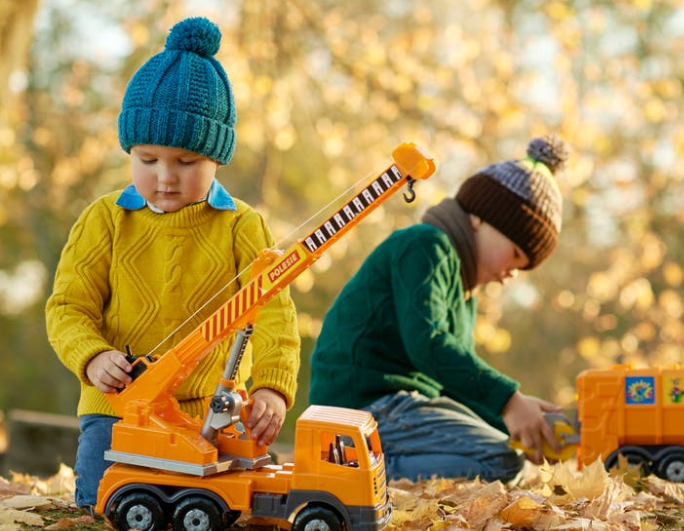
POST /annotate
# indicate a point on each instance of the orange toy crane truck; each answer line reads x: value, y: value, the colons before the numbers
x: 199, y: 475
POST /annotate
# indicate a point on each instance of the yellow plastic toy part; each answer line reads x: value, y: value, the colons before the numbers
x: 565, y: 433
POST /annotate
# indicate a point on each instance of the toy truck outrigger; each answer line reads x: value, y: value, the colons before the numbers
x: 199, y: 475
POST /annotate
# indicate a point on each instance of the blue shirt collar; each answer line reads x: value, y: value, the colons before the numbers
x: 218, y: 198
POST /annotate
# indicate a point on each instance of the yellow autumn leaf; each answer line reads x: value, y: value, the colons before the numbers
x: 566, y: 483
x: 403, y: 499
x: 522, y: 512
x: 483, y: 504
x: 400, y: 517
x: 629, y: 473
x: 441, y: 525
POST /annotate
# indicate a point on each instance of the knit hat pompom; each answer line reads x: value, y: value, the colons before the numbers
x: 182, y: 97
x: 521, y: 198
x: 197, y: 35
x: 550, y: 151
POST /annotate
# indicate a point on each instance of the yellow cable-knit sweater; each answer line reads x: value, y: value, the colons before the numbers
x: 134, y: 277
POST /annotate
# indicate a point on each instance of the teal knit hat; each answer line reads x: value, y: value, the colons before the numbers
x: 181, y: 97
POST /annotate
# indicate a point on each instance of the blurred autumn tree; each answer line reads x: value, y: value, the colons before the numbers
x: 325, y: 90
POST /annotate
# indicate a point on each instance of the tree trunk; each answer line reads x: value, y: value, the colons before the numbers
x: 16, y: 33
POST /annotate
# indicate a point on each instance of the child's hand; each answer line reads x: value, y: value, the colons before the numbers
x: 108, y: 371
x: 524, y: 418
x: 267, y: 415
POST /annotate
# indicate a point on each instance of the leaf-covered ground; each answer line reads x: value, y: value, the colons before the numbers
x: 550, y: 497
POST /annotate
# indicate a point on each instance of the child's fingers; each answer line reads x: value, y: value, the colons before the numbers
x: 256, y: 412
x: 263, y: 429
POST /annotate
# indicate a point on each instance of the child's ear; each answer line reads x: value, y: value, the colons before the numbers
x: 475, y: 221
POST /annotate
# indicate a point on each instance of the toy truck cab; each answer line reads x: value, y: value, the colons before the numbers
x: 339, y: 466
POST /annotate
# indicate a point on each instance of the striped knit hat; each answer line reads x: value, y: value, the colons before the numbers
x: 182, y: 97
x: 521, y: 198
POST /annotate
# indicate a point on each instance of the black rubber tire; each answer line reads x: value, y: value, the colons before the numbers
x: 139, y: 510
x: 317, y: 518
x: 197, y: 513
x: 671, y: 466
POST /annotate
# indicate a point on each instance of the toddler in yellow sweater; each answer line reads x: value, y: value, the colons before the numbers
x: 141, y: 262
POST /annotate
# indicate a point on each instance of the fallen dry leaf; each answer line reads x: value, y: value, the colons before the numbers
x: 495, y: 525
x: 11, y: 488
x: 629, y: 472
x: 565, y: 483
x: 629, y: 521
x: 25, y: 501
x: 523, y: 512
x: 14, y: 516
x: 609, y: 502
x: 671, y: 492
x: 68, y: 523
x: 424, y: 515
x: 485, y: 502
x: 63, y: 482
x: 581, y: 524
x: 403, y: 500
x: 61, y: 485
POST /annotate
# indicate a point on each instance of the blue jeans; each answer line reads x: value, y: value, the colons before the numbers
x: 95, y: 438
x: 423, y: 437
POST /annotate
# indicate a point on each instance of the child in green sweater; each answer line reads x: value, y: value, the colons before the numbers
x: 141, y: 263
x: 398, y: 340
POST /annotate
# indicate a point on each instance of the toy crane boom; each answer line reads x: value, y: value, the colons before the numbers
x: 149, y: 412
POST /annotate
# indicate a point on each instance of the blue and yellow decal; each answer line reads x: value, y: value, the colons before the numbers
x: 640, y: 390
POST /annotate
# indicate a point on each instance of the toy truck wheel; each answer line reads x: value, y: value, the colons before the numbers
x: 197, y: 513
x: 139, y: 510
x: 316, y: 518
x: 671, y: 466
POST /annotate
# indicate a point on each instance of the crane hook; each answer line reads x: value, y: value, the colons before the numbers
x: 411, y: 195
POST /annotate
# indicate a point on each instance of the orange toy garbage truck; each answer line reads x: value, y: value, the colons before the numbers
x: 638, y: 413
x: 200, y: 474
x: 634, y: 412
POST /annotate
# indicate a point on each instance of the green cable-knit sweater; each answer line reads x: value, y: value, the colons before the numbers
x: 403, y: 323
x: 133, y: 277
